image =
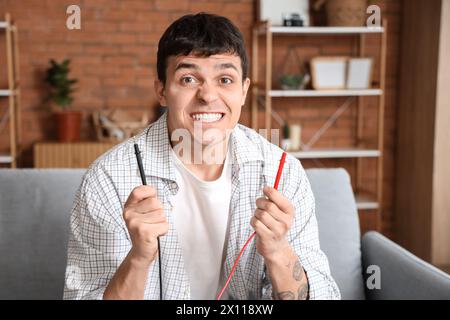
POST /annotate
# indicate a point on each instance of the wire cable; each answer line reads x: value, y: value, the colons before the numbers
x: 275, y: 186
x: 144, y: 182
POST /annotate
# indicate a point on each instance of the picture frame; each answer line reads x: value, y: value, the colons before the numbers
x: 274, y: 11
x: 329, y: 73
x: 359, y: 73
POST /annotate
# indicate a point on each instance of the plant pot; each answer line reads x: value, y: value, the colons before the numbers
x: 346, y: 13
x: 68, y: 125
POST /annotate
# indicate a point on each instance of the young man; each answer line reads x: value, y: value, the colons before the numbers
x: 202, y: 211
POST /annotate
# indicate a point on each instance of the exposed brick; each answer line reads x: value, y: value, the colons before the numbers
x: 163, y: 5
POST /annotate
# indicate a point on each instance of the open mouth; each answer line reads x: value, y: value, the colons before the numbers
x: 207, y: 117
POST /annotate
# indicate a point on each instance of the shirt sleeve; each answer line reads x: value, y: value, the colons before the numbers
x: 304, y: 238
x: 98, y: 240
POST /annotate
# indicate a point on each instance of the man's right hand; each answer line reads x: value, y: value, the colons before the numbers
x: 145, y: 219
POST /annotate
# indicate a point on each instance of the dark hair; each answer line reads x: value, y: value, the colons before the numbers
x: 203, y: 35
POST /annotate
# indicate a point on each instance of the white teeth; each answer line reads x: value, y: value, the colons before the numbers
x: 207, y: 117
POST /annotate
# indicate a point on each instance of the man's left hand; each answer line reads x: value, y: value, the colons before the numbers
x: 272, y: 220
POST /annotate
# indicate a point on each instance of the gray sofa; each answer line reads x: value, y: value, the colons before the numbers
x: 34, y: 227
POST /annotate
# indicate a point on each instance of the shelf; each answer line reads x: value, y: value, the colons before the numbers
x: 3, y: 24
x: 5, y: 93
x: 366, y: 202
x: 325, y: 30
x: 6, y: 158
x: 335, y: 153
x: 325, y: 93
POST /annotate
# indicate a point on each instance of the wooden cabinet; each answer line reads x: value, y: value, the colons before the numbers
x: 423, y: 146
x: 68, y: 155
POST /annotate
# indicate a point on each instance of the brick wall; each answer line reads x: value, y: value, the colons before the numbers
x: 114, y: 57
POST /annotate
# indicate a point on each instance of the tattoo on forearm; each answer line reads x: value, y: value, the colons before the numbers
x: 298, y: 271
x: 303, y: 292
x: 286, y: 295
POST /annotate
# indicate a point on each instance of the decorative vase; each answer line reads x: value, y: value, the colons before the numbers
x: 346, y: 13
x: 68, y: 125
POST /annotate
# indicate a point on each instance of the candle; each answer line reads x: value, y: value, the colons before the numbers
x: 295, y: 136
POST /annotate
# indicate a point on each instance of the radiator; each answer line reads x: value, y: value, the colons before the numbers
x: 68, y: 155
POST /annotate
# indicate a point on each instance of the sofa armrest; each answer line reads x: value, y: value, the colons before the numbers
x: 403, y: 275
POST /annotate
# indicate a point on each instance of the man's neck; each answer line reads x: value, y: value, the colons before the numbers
x: 206, y: 161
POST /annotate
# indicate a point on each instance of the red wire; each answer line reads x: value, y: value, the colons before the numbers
x: 235, y: 265
x: 280, y: 169
x: 275, y: 186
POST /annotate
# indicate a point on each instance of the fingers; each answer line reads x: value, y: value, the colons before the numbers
x: 268, y: 206
x: 278, y: 228
x: 148, y: 210
x: 147, y: 205
x: 145, y: 220
x: 144, y: 211
x: 261, y: 229
x: 279, y: 200
x: 275, y: 212
x: 153, y: 217
x: 147, y: 232
x: 140, y: 193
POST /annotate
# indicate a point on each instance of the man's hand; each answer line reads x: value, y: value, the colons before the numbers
x: 145, y: 220
x: 272, y: 220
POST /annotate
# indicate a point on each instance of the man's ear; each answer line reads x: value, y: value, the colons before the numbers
x: 160, y: 94
x: 245, y: 87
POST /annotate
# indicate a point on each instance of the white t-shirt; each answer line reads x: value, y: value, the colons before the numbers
x: 200, y: 212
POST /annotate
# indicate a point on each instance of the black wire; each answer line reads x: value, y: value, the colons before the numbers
x: 144, y: 182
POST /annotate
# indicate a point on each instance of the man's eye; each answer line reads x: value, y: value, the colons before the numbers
x: 187, y: 80
x: 226, y: 80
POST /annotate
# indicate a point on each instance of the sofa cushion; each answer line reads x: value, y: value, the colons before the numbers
x: 339, y: 228
x: 34, y: 228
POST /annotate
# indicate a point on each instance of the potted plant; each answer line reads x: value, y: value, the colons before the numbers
x: 291, y: 81
x: 61, y: 89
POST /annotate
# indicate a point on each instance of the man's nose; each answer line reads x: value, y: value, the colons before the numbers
x: 207, y: 92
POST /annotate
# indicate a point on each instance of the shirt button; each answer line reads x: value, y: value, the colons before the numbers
x: 174, y: 185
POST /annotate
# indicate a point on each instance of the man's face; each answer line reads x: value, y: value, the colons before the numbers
x: 206, y: 91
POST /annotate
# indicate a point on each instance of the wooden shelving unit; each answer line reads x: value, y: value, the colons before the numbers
x: 335, y: 153
x: 325, y: 93
x: 263, y: 90
x: 11, y: 116
x: 320, y: 30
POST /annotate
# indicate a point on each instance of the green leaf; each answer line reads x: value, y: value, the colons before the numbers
x: 61, y: 85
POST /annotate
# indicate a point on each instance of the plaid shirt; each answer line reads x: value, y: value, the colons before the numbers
x: 99, y: 240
